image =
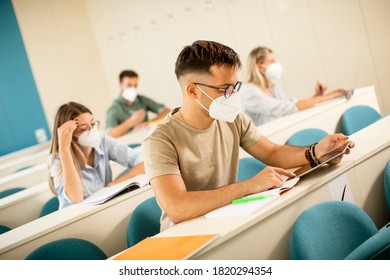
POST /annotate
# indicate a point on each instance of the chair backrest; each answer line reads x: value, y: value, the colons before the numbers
x: 134, y: 145
x: 357, y: 118
x: 4, y: 229
x: 387, y: 186
x: 330, y: 231
x: 10, y: 191
x: 50, y: 206
x: 23, y: 168
x: 375, y: 248
x: 306, y: 137
x: 144, y: 222
x: 249, y: 167
x: 67, y: 249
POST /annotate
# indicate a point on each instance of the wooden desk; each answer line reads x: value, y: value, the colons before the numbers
x: 25, y: 161
x: 325, y: 116
x: 38, y: 174
x: 25, y: 178
x: 24, y: 152
x: 105, y: 225
x: 266, y: 234
x: 24, y: 206
x: 39, y: 154
x: 370, y: 158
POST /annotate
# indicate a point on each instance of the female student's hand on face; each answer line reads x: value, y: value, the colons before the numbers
x: 65, y: 133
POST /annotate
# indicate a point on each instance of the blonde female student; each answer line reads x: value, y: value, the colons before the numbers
x: 79, y: 156
x: 263, y: 100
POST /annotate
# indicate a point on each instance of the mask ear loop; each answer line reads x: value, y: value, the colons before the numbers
x: 199, y: 101
x: 204, y: 93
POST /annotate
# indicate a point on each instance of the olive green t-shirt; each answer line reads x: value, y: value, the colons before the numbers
x: 120, y: 110
x: 205, y: 158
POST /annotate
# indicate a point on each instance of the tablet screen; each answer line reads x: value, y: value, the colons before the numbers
x: 323, y: 160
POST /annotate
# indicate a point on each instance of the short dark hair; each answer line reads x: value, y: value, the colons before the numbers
x: 201, y: 55
x: 127, y: 73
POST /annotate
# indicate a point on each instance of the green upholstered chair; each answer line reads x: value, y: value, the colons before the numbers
x: 68, y: 249
x: 249, y: 167
x: 144, y: 222
x: 4, y: 229
x: 375, y: 248
x: 358, y: 117
x: 134, y: 145
x: 10, y: 191
x: 23, y: 168
x: 306, y: 137
x: 50, y: 206
x: 336, y: 230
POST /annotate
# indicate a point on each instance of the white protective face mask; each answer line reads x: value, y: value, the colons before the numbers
x: 90, y: 138
x: 274, y: 72
x: 130, y: 94
x: 222, y: 108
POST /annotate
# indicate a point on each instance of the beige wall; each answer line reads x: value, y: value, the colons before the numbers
x: 63, y: 55
x: 77, y: 48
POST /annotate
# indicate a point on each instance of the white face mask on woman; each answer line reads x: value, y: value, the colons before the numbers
x: 129, y: 94
x: 274, y: 72
x: 90, y: 138
x: 222, y: 108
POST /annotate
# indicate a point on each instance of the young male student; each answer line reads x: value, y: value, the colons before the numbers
x: 191, y: 158
x: 130, y: 109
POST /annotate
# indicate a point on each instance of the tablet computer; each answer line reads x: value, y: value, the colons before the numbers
x: 323, y: 160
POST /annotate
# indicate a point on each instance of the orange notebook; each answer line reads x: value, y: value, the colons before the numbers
x: 167, y: 248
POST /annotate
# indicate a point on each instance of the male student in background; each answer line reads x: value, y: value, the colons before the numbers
x: 130, y: 109
x: 191, y: 158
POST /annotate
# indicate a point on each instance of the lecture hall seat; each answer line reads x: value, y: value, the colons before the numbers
x: 67, y: 249
x: 337, y: 230
x: 249, y: 167
x: 358, y: 117
x: 4, y: 229
x: 144, y: 222
x: 306, y: 137
x: 50, y: 206
x: 10, y: 191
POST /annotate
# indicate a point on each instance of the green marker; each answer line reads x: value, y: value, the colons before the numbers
x: 253, y: 198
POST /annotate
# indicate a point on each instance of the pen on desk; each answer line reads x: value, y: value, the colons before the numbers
x: 248, y: 199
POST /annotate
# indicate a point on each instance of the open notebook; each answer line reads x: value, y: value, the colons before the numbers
x: 249, y: 206
x: 167, y: 248
x: 107, y: 193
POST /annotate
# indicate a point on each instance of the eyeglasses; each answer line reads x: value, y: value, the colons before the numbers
x: 85, y: 127
x: 228, y: 91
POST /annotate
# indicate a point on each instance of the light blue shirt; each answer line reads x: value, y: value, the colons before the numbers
x: 262, y: 108
x: 97, y: 176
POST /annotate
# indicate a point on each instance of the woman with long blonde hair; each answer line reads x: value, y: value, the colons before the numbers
x: 261, y: 96
x: 79, y: 156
